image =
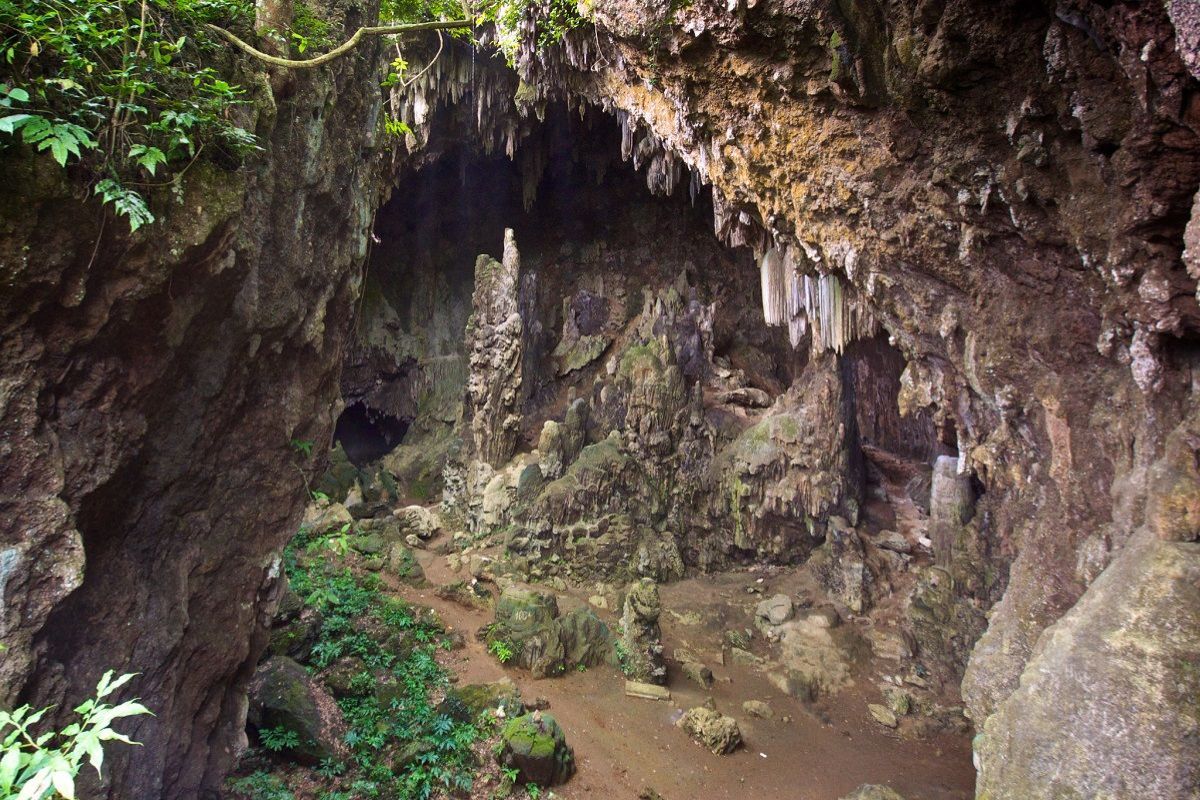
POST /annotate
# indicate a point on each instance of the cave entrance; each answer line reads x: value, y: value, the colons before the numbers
x: 367, y: 434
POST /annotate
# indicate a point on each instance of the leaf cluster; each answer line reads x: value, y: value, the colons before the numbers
x: 125, y: 87
x: 34, y: 766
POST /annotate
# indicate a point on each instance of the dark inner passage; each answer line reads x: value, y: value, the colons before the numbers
x: 367, y: 434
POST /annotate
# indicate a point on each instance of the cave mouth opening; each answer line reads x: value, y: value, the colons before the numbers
x: 367, y: 434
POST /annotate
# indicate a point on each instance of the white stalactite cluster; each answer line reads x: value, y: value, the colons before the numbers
x: 452, y: 76
x: 811, y: 299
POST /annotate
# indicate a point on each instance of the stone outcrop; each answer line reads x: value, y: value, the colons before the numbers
x: 284, y: 699
x: 495, y: 342
x: 641, y: 636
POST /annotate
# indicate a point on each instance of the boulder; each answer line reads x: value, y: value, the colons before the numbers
x: 1107, y: 706
x: 586, y: 640
x: 526, y: 621
x: 718, y: 733
x: 697, y: 673
x: 883, y: 715
x: 295, y: 639
x: 282, y: 695
x: 467, y: 703
x: 775, y: 610
x: 400, y: 561
x: 536, y: 747
x: 322, y: 517
x: 757, y: 708
x: 422, y: 522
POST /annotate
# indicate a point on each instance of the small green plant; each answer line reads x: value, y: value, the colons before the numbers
x: 278, y: 739
x: 320, y: 497
x: 35, y: 766
x: 302, y: 446
x: 509, y: 775
x: 261, y: 786
x: 622, y: 655
x: 501, y: 649
x: 339, y: 543
x: 533, y: 790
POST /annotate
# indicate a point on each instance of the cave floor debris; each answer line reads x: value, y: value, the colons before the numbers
x: 808, y: 751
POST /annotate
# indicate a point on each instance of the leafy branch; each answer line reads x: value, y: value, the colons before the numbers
x: 37, y: 766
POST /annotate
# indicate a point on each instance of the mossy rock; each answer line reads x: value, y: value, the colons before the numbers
x: 534, y: 745
x: 586, y: 640
x: 401, y: 562
x: 467, y: 703
x: 282, y: 695
x: 296, y: 638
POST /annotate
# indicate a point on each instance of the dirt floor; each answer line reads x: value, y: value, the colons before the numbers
x: 821, y: 751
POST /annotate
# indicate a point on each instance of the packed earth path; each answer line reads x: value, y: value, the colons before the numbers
x: 624, y: 746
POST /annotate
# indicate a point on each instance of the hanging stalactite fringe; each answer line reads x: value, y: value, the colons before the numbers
x: 342, y: 49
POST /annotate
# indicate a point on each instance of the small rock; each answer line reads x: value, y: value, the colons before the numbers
x: 744, y: 657
x: 871, y: 791
x: 883, y: 715
x: 647, y: 691
x: 757, y: 708
x: 698, y: 673
x: 718, y: 733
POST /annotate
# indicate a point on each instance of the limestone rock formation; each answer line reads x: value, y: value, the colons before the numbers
x: 640, y: 634
x: 495, y: 343
x: 1118, y: 674
x: 547, y: 644
x: 153, y: 384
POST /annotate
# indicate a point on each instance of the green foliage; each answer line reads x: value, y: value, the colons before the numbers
x: 121, y: 86
x: 622, y: 655
x: 302, y: 446
x: 261, y: 786
x: 278, y: 739
x: 552, y: 20
x: 501, y: 649
x: 308, y: 30
x: 35, y: 766
x: 533, y: 790
x: 400, y: 744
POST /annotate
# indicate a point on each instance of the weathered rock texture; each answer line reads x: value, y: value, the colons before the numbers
x: 1004, y: 187
x: 1002, y: 190
x: 152, y: 386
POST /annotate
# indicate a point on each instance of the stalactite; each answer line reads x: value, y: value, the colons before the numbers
x: 804, y: 301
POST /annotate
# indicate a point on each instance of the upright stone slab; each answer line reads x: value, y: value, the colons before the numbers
x: 951, y: 505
